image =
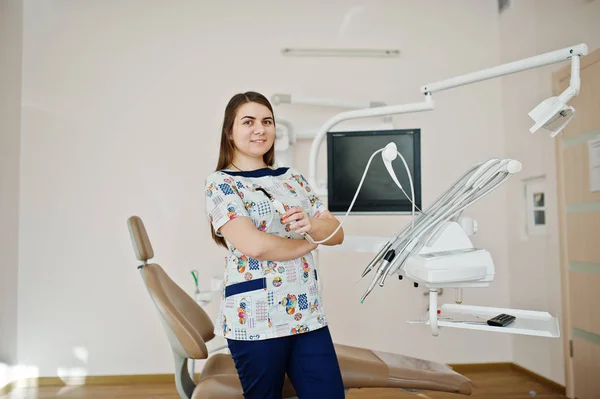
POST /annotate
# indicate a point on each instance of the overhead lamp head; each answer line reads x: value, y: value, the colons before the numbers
x: 554, y: 113
x: 551, y: 114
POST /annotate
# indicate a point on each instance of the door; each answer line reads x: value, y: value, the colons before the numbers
x: 579, y: 223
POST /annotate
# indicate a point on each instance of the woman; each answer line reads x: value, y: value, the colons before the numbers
x: 271, y: 311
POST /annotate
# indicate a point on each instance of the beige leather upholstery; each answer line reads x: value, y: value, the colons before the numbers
x: 364, y: 368
x: 189, y: 328
x: 190, y: 324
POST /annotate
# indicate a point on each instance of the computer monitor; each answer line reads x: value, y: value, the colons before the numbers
x: 347, y: 157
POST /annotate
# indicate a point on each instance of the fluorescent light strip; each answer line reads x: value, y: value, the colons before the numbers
x: 332, y: 52
x: 279, y: 98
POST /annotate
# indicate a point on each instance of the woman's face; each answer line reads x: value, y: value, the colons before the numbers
x: 253, y: 130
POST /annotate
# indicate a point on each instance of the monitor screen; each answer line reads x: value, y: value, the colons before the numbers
x: 347, y: 157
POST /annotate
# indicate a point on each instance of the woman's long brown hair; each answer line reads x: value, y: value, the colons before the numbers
x: 227, y: 150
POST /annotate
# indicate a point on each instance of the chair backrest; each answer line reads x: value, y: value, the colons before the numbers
x: 186, y: 323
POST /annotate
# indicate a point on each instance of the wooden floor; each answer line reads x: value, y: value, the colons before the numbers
x: 508, y: 383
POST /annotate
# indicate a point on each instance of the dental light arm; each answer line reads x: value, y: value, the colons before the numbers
x: 573, y: 52
x: 552, y: 114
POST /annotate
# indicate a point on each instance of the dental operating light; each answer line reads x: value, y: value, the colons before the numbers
x: 552, y: 113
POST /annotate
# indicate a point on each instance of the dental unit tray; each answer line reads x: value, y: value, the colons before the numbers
x: 527, y: 322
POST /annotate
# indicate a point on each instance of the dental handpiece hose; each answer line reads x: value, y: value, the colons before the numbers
x: 310, y: 239
x: 389, y: 153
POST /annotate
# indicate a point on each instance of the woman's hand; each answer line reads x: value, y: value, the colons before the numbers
x: 298, y: 219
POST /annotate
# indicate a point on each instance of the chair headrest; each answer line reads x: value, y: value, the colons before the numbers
x: 139, y: 238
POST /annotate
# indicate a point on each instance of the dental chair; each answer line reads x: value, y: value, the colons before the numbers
x: 189, y: 328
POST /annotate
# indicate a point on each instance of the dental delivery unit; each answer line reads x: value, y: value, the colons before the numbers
x: 434, y: 249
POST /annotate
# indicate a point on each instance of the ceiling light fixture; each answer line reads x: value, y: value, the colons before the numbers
x: 339, y: 52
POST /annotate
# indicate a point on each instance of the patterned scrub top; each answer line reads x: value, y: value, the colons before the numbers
x: 264, y: 299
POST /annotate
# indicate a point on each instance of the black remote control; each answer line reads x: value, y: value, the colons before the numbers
x: 502, y: 320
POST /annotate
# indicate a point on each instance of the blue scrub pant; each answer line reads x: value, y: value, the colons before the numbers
x: 309, y: 360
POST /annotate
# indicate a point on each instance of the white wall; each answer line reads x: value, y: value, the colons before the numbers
x: 528, y: 28
x: 122, y: 105
x: 11, y: 16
